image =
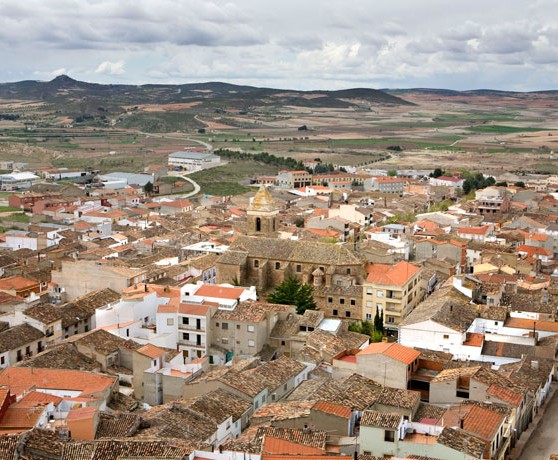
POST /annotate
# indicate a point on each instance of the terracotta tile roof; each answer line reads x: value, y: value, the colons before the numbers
x: 151, y: 351
x: 37, y: 398
x: 117, y: 425
x: 533, y: 250
x: 82, y: 413
x: 221, y: 292
x: 248, y: 312
x: 520, y: 323
x: 273, y: 445
x: 393, y: 350
x: 19, y: 336
x: 462, y: 441
x: 505, y: 394
x: 283, y: 410
x: 20, y: 419
x: 381, y: 419
x: 483, y: 230
x: 482, y: 422
x: 219, y: 405
x: 391, y: 275
x: 63, y: 356
x: 332, y: 409
x: 20, y: 379
x: 17, y: 283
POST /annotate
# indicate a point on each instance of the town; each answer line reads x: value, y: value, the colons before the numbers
x: 328, y: 311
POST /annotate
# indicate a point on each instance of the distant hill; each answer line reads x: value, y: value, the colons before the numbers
x: 64, y: 89
x: 474, y: 92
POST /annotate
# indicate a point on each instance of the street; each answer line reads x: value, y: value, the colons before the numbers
x: 544, y: 441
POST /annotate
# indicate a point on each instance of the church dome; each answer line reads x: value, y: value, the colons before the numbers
x: 262, y: 201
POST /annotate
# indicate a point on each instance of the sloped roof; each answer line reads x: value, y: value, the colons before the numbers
x: 394, y: 350
x: 392, y: 275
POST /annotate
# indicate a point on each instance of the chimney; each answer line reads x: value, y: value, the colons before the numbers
x: 461, y: 423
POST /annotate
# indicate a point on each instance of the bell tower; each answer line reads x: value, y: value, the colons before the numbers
x: 262, y: 214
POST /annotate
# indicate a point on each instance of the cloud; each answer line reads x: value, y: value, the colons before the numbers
x: 289, y: 43
x: 110, y: 68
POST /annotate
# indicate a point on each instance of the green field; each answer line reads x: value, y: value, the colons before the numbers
x: 501, y: 129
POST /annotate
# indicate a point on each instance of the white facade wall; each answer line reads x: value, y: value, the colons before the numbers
x: 432, y: 336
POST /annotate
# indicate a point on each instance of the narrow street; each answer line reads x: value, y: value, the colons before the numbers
x: 544, y: 441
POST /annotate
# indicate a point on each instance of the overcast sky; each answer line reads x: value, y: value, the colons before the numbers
x: 300, y: 44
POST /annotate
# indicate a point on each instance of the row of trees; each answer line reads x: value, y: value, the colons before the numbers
x: 262, y: 157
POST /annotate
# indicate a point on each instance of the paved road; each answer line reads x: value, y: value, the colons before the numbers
x: 544, y: 440
x: 187, y: 179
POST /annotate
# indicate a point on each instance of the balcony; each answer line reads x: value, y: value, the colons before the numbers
x: 191, y: 328
x: 189, y: 343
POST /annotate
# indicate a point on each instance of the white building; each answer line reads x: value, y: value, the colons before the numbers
x: 17, y: 180
x: 193, y: 161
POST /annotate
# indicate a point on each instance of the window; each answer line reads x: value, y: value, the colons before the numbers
x: 238, y: 326
x: 348, y: 271
x: 342, y: 301
x: 391, y: 319
x: 185, y: 336
x: 256, y: 263
x: 330, y: 300
x: 251, y: 343
x: 298, y: 268
x: 446, y: 336
x: 335, y: 313
x: 225, y: 326
x: 28, y: 351
x: 185, y: 320
x: 368, y: 316
x: 353, y: 302
x: 251, y: 328
x: 369, y: 304
x: 170, y: 321
x: 277, y: 265
x: 19, y: 355
x: 225, y: 340
x: 347, y: 314
x: 379, y: 293
x: 283, y: 343
x: 154, y: 362
x: 389, y: 436
x: 369, y: 291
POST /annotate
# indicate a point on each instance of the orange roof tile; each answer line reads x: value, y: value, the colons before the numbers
x: 393, y: 350
x: 37, y: 398
x: 193, y: 309
x: 220, y: 292
x: 474, y: 230
x: 151, y: 351
x: 505, y: 394
x: 483, y: 422
x: 393, y: 275
x: 20, y: 379
x: 529, y: 324
x: 333, y: 409
x: 538, y: 237
x: 20, y: 418
x: 82, y: 413
x: 533, y: 250
x: 474, y: 340
x: 17, y: 282
x: 281, y: 446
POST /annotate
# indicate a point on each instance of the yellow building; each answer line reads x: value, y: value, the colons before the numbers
x: 394, y: 289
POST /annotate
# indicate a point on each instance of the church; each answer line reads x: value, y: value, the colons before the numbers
x: 261, y: 259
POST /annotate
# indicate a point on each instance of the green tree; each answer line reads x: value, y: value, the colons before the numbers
x: 437, y: 172
x: 519, y: 183
x: 293, y: 292
x: 148, y: 188
x: 392, y: 173
x: 379, y: 321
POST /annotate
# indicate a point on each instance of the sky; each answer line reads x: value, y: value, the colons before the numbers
x: 294, y: 44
